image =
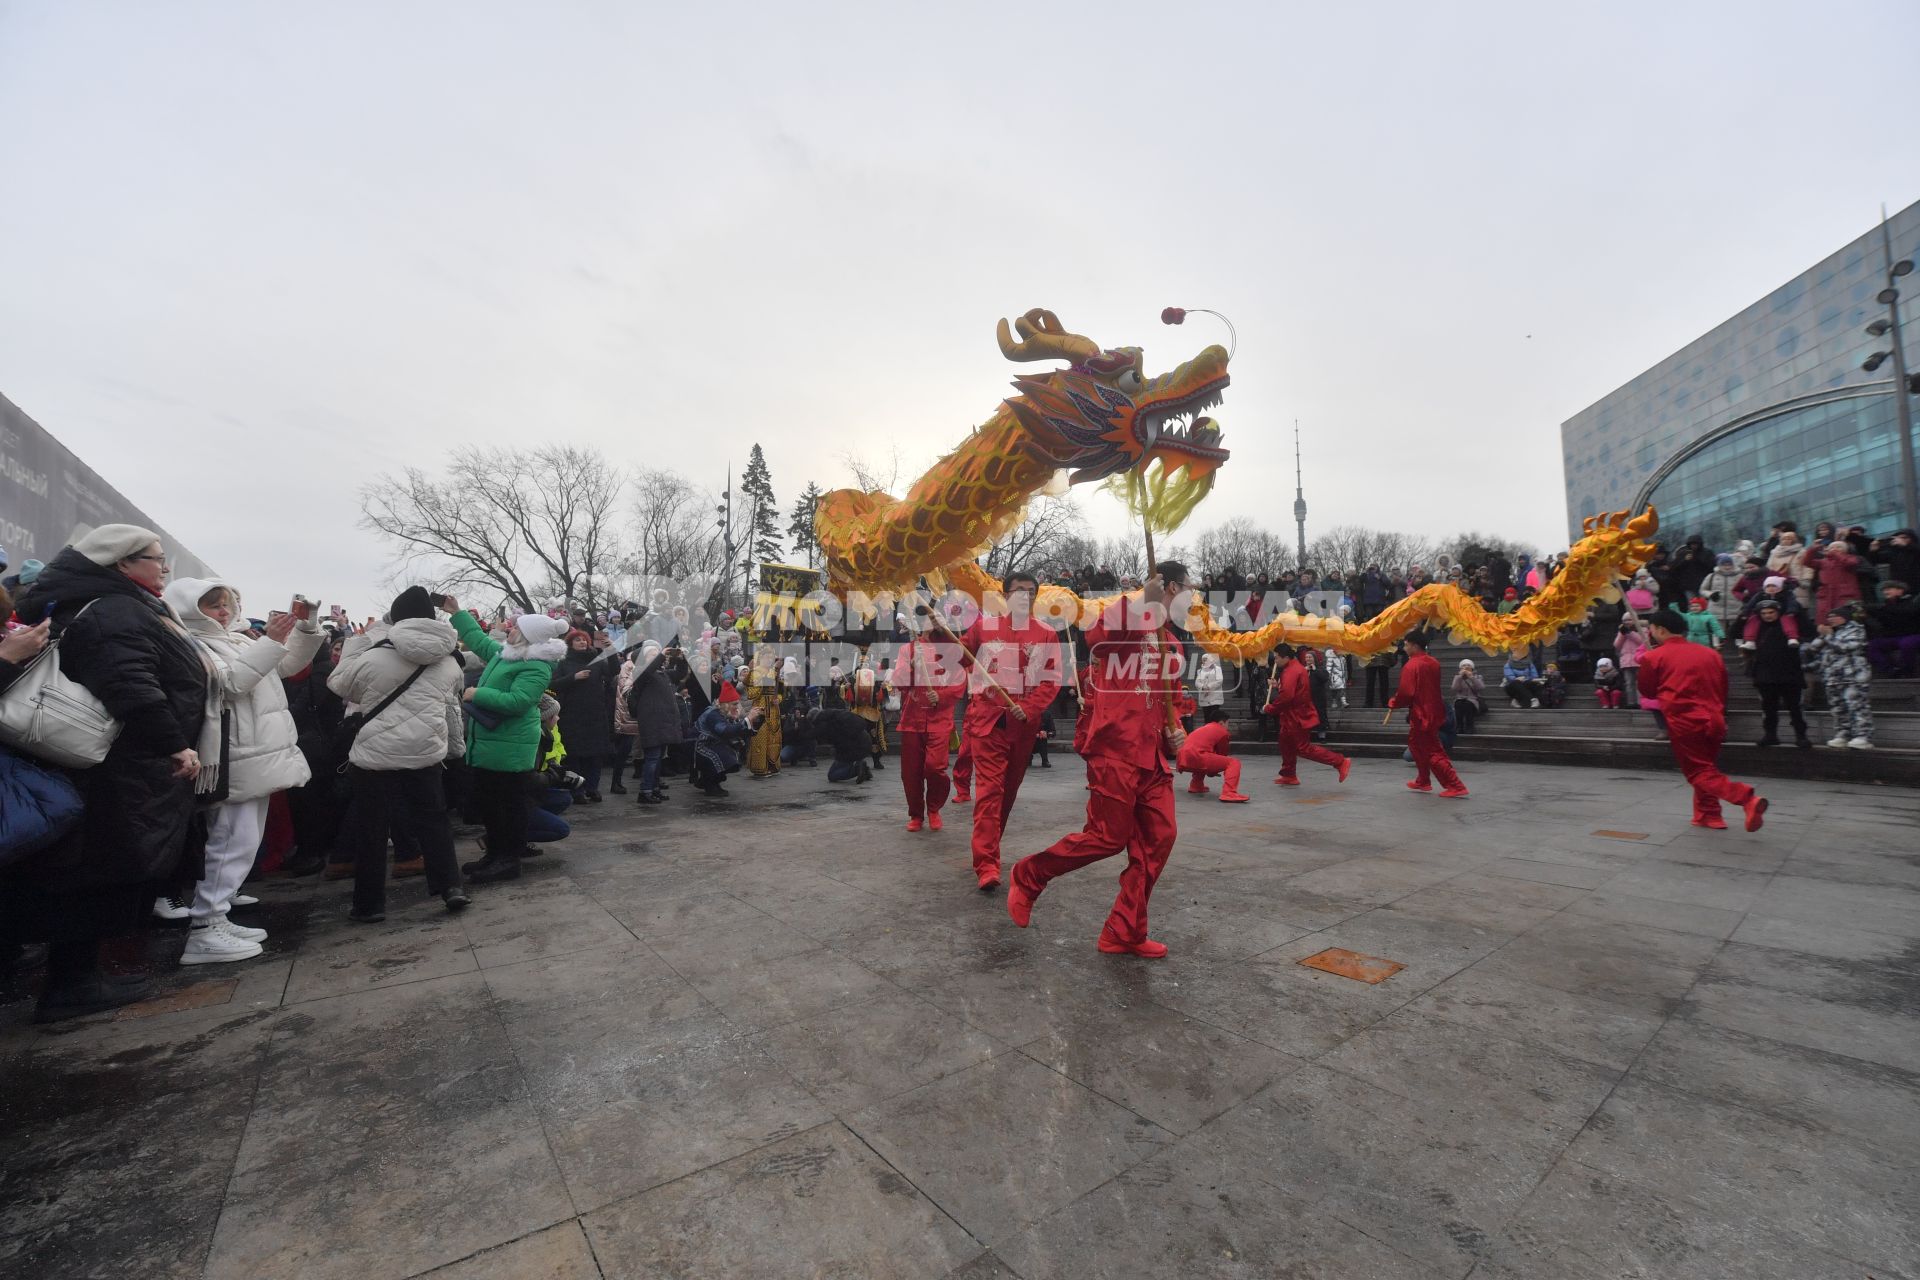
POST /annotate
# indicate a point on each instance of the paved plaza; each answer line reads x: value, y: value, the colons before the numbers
x: 777, y: 1036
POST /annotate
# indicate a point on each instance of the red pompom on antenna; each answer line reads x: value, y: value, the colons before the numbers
x: 1173, y: 315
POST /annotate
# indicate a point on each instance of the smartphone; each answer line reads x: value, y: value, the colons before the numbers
x: 301, y: 608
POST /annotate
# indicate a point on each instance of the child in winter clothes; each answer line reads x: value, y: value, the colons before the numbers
x: 1703, y: 625
x: 1608, y: 685
x: 1840, y: 654
x: 1629, y: 645
x: 1554, y: 693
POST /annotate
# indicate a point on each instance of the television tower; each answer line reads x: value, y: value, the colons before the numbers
x: 1299, y: 498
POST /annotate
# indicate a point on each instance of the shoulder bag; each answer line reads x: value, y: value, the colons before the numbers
x: 54, y: 718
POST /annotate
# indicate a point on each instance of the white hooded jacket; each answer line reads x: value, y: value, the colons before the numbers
x: 423, y: 727
x: 263, y: 743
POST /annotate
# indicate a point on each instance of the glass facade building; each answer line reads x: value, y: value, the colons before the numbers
x: 1767, y: 417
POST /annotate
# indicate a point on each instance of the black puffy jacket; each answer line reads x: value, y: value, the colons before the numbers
x: 139, y: 824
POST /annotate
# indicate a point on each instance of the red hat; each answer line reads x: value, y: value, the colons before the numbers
x: 574, y: 632
x: 1699, y: 602
x: 1512, y: 593
x: 727, y: 693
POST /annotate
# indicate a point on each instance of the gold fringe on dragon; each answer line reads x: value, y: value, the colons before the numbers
x: 1101, y: 418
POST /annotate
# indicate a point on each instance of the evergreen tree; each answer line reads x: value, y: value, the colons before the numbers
x: 801, y: 530
x: 762, y: 541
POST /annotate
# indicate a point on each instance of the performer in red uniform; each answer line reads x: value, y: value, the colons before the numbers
x: 1134, y: 661
x: 1206, y: 752
x: 1419, y: 693
x: 1690, y: 681
x: 929, y: 683
x: 1291, y: 702
x: 1021, y: 654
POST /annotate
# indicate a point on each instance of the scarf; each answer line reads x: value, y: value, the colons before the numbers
x: 213, y: 724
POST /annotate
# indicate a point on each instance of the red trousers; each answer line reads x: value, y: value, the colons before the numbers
x: 1696, y: 748
x: 923, y: 770
x: 963, y: 763
x: 1127, y: 808
x: 1610, y: 698
x: 1205, y: 764
x: 1430, y: 759
x: 999, y: 764
x: 1295, y: 743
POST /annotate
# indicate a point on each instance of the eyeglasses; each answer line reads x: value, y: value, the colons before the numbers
x: 165, y: 567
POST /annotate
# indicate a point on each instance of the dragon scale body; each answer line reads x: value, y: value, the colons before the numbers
x: 1101, y: 417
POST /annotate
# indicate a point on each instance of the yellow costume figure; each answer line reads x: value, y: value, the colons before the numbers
x: 763, y: 691
x: 867, y: 699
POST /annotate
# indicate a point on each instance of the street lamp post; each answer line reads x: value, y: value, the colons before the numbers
x: 1902, y: 390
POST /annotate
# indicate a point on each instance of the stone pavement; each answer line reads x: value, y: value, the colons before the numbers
x: 777, y: 1036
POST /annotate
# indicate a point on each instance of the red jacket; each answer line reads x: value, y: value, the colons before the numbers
x: 1690, y: 680
x: 1419, y: 692
x: 1207, y: 740
x: 924, y: 667
x: 1136, y: 675
x: 1292, y: 699
x: 1024, y: 659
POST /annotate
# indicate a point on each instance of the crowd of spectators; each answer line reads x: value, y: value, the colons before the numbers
x: 311, y: 745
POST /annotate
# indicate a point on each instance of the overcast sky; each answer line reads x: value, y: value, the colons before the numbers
x: 252, y: 256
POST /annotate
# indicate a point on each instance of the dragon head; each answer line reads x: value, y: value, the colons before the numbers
x: 1102, y: 416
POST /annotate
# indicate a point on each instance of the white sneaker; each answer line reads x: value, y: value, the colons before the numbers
x: 245, y: 931
x: 1839, y: 740
x: 1860, y: 744
x: 1536, y: 703
x: 1515, y: 702
x: 213, y: 943
x: 170, y: 908
x: 245, y: 900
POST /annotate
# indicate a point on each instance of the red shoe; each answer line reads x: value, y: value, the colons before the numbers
x: 933, y: 821
x: 1454, y: 793
x: 1414, y: 784
x: 1286, y: 782
x: 1711, y: 824
x: 1756, y: 811
x: 1233, y: 797
x: 913, y: 824
x: 989, y: 882
x: 961, y: 795
x: 1146, y: 950
x: 1020, y: 904
x: 1346, y: 767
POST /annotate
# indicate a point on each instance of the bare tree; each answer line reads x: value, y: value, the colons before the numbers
x: 1473, y: 549
x: 1347, y: 547
x: 1242, y: 544
x: 674, y: 530
x: 1041, y: 543
x: 526, y: 523
x: 871, y: 476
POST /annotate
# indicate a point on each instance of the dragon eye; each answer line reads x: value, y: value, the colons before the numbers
x: 1129, y: 380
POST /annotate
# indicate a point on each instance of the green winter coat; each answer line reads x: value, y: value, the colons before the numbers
x: 1704, y: 628
x: 510, y: 690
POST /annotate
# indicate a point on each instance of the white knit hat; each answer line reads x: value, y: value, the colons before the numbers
x: 535, y: 627
x: 111, y: 543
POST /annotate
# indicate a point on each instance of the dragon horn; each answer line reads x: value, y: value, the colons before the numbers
x: 1044, y: 339
x: 1643, y: 524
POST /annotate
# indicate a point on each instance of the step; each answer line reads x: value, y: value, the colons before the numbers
x: 1884, y: 766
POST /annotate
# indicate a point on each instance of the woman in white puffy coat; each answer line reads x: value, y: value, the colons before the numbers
x: 263, y: 755
x: 395, y: 764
